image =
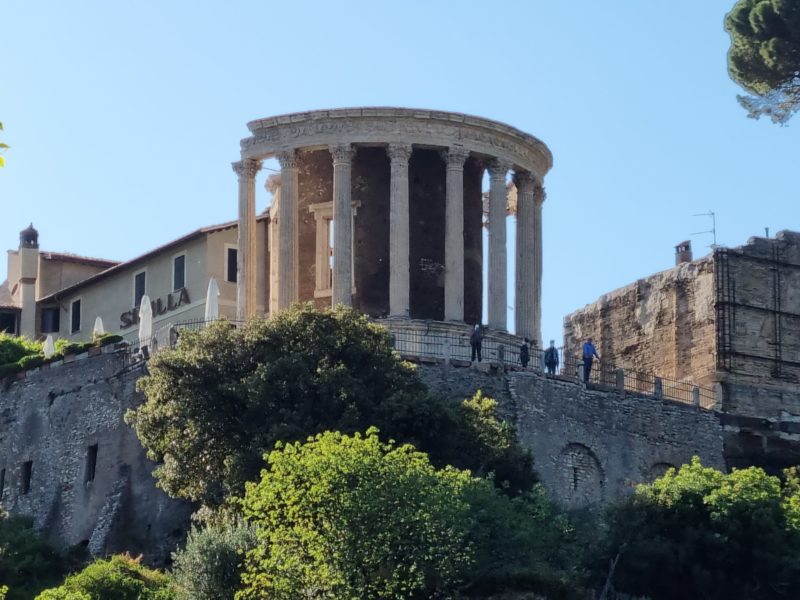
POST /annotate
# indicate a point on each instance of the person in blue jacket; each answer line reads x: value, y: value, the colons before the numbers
x: 589, y: 354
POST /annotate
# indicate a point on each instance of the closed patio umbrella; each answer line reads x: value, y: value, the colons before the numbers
x: 98, y: 327
x: 145, y: 321
x: 212, y: 300
x: 49, y: 348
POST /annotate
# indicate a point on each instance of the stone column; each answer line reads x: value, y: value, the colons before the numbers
x: 538, y: 199
x: 246, y: 170
x: 524, y: 280
x: 342, y: 225
x: 399, y: 248
x: 454, y: 235
x: 287, y: 231
x: 497, y: 244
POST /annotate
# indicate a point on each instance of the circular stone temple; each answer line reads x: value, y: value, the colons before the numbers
x: 383, y: 209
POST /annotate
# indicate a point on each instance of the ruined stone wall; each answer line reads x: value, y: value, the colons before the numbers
x: 758, y: 311
x: 662, y: 324
x: 589, y: 445
x: 49, y: 423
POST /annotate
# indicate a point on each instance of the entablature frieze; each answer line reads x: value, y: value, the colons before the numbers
x: 444, y: 130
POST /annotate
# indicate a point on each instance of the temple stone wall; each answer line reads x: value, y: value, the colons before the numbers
x: 473, y: 241
x: 662, y: 324
x: 315, y: 185
x: 427, y: 209
x: 371, y: 178
x: 50, y: 421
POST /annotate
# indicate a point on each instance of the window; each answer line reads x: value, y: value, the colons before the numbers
x: 139, y: 281
x: 231, y: 267
x: 25, y: 481
x: 8, y: 322
x: 91, y: 463
x: 75, y: 316
x: 179, y: 273
x: 2, y: 482
x: 51, y: 320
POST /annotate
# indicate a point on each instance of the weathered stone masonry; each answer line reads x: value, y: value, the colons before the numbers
x: 590, y: 445
x: 90, y: 482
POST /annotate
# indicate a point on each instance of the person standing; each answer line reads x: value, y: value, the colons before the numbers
x: 589, y: 354
x: 524, y: 354
x: 551, y: 358
x: 475, y: 340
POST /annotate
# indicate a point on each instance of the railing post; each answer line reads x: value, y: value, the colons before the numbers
x: 620, y: 380
x: 658, y: 387
x: 696, y: 396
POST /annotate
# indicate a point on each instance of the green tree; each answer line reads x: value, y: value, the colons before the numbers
x: 209, y: 566
x: 225, y: 396
x: 699, y: 533
x: 28, y: 563
x: 764, y: 57
x: 349, y: 517
x: 118, y: 578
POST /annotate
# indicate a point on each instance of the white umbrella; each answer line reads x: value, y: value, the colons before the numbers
x: 145, y: 321
x: 98, y: 327
x: 49, y: 347
x: 212, y: 302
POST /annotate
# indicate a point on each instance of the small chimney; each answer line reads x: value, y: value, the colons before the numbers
x: 683, y: 253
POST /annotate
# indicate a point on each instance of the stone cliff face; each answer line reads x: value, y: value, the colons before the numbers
x: 68, y: 459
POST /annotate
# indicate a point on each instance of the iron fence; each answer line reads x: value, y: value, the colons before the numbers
x: 456, y: 346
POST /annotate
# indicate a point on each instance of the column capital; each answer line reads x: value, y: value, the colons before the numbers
x: 539, y: 194
x: 287, y: 159
x: 498, y: 168
x: 247, y: 168
x: 455, y: 156
x: 399, y: 153
x: 524, y: 180
x: 341, y: 153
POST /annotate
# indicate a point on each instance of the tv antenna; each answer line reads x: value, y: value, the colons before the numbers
x: 712, y: 231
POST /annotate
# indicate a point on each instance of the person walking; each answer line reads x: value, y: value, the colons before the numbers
x: 589, y: 353
x: 551, y: 358
x: 524, y: 354
x: 475, y: 340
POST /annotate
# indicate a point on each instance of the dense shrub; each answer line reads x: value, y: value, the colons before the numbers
x: 27, y: 562
x: 13, y: 348
x: 700, y: 533
x: 118, y: 578
x: 225, y: 396
x: 209, y: 566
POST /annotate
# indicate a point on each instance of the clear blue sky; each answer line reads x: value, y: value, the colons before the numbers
x: 123, y: 117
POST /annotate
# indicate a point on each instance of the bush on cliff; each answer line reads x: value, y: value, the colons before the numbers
x: 28, y: 563
x: 209, y: 566
x: 13, y: 348
x: 225, y: 396
x: 700, y: 533
x: 118, y: 578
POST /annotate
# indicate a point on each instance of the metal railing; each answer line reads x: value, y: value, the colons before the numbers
x: 455, y: 346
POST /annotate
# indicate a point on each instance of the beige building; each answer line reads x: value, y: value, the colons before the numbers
x: 63, y: 294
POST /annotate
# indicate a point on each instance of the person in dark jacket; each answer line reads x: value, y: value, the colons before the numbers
x: 475, y: 340
x: 551, y: 358
x: 524, y: 354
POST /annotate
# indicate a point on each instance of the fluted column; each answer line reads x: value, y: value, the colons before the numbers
x: 454, y: 235
x: 399, y: 246
x: 246, y: 170
x: 497, y: 244
x: 342, y: 224
x: 525, y: 286
x: 539, y: 196
x: 288, y: 265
